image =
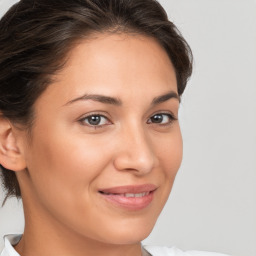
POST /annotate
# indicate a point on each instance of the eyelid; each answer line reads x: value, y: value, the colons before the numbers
x: 83, y: 117
x: 94, y: 113
x: 168, y: 113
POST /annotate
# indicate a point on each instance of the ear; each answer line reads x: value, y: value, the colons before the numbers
x: 10, y: 154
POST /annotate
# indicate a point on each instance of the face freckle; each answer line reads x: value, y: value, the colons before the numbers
x: 94, y: 144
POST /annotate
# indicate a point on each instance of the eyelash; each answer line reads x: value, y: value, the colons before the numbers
x: 170, y: 116
x: 83, y: 120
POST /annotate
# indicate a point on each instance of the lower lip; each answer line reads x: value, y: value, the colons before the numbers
x: 130, y: 203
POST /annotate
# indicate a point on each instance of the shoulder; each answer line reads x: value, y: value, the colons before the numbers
x: 173, y: 251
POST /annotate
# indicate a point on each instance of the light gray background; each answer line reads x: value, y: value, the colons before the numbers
x: 213, y: 203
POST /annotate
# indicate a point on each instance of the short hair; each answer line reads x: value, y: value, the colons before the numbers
x: 36, y: 36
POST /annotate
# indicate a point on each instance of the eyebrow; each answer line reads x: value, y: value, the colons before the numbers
x: 99, y: 98
x: 117, y: 102
x: 165, y: 97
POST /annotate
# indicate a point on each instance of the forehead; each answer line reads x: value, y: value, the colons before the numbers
x: 116, y: 64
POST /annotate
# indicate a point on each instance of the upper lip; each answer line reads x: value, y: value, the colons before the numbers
x: 134, y: 189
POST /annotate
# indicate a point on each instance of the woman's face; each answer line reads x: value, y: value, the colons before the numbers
x: 106, y: 145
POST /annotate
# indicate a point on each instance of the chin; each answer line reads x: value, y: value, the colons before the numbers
x: 130, y: 234
x: 130, y: 238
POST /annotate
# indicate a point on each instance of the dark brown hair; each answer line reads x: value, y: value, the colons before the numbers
x: 36, y: 36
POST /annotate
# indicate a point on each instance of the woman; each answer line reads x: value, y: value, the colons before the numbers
x: 89, y: 132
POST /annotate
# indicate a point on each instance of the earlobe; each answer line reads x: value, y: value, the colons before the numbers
x: 10, y: 154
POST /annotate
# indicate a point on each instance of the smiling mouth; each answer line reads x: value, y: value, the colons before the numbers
x: 128, y: 194
x: 130, y: 197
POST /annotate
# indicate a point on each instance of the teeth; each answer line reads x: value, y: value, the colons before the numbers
x: 129, y: 194
x: 136, y: 195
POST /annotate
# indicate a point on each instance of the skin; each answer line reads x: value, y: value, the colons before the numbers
x: 68, y: 160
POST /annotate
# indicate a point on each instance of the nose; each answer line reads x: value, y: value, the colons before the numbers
x: 135, y: 152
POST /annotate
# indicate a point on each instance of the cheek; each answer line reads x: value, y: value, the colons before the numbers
x: 66, y: 162
x: 62, y: 175
x: 170, y: 154
x: 170, y: 157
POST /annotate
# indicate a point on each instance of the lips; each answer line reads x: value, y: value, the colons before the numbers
x: 129, y: 197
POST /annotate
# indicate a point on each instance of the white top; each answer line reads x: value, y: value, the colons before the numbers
x: 11, y: 240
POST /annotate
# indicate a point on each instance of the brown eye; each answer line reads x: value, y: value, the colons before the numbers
x: 161, y: 118
x: 157, y: 118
